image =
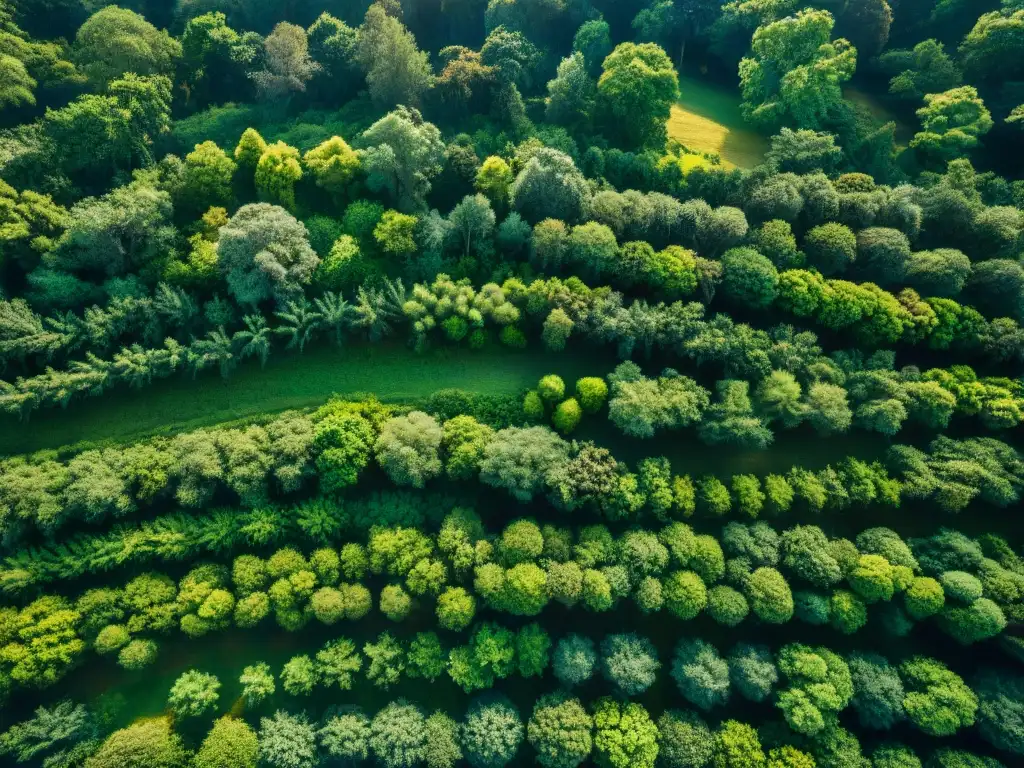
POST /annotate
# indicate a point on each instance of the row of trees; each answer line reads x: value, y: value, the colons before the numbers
x: 746, y: 573
x: 448, y: 311
x: 337, y: 444
x: 810, y: 686
x: 561, y: 732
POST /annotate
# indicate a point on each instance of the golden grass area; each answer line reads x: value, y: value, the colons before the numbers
x: 707, y: 119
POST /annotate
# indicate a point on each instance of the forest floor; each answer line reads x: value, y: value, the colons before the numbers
x: 707, y: 118
x: 393, y: 373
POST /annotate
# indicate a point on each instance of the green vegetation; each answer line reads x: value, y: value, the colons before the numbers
x: 628, y: 383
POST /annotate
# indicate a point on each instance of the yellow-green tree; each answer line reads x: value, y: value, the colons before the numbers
x: 276, y: 173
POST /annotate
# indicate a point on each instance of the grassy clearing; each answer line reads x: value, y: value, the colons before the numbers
x: 392, y: 373
x: 707, y: 119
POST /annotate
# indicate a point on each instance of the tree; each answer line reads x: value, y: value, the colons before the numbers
x: 804, y: 151
x: 494, y: 179
x: 937, y: 700
x: 594, y: 40
x: 731, y: 420
x: 877, y: 691
x: 574, y: 660
x: 993, y: 47
x: 287, y: 63
x: 492, y: 732
x: 387, y: 661
x: 560, y: 731
x: 952, y: 123
x: 641, y: 406
x: 125, y: 231
x: 335, y: 166
x: 675, y: 22
x: 866, y: 25
x: 752, y: 671
x: 287, y: 741
x: 701, y: 674
x: 795, y: 71
x: 629, y: 662
x: 624, y: 735
x: 550, y: 186
x: 115, y: 41
x: 231, y: 743
x: 149, y: 742
x: 193, y: 694
x: 737, y: 746
x: 264, y: 253
x: 520, y: 460
x: 57, y: 735
x: 407, y: 448
x: 346, y: 737
x: 206, y: 181
x: 214, y: 59
x: 684, y: 740
x: 925, y: 69
x: 770, y: 596
x: 402, y: 153
x: 299, y: 676
x: 397, y: 72
x: 443, y: 750
x: 750, y: 278
x: 257, y: 683
x: 398, y: 735
x: 942, y: 272
x: 1001, y: 710
x: 818, y: 685
x: 473, y: 222
x: 277, y: 171
x: 572, y: 94
x: 637, y: 89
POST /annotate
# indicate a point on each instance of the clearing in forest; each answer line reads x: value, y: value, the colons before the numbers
x: 707, y: 119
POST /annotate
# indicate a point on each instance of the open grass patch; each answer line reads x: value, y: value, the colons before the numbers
x: 707, y: 119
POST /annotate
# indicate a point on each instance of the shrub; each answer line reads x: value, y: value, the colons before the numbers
x: 567, y: 416
x: 551, y: 388
x: 591, y: 392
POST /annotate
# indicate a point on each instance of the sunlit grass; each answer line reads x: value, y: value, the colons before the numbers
x: 707, y: 119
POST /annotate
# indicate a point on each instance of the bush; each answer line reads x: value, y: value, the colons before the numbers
x: 567, y: 416
x: 591, y: 392
x: 551, y: 388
